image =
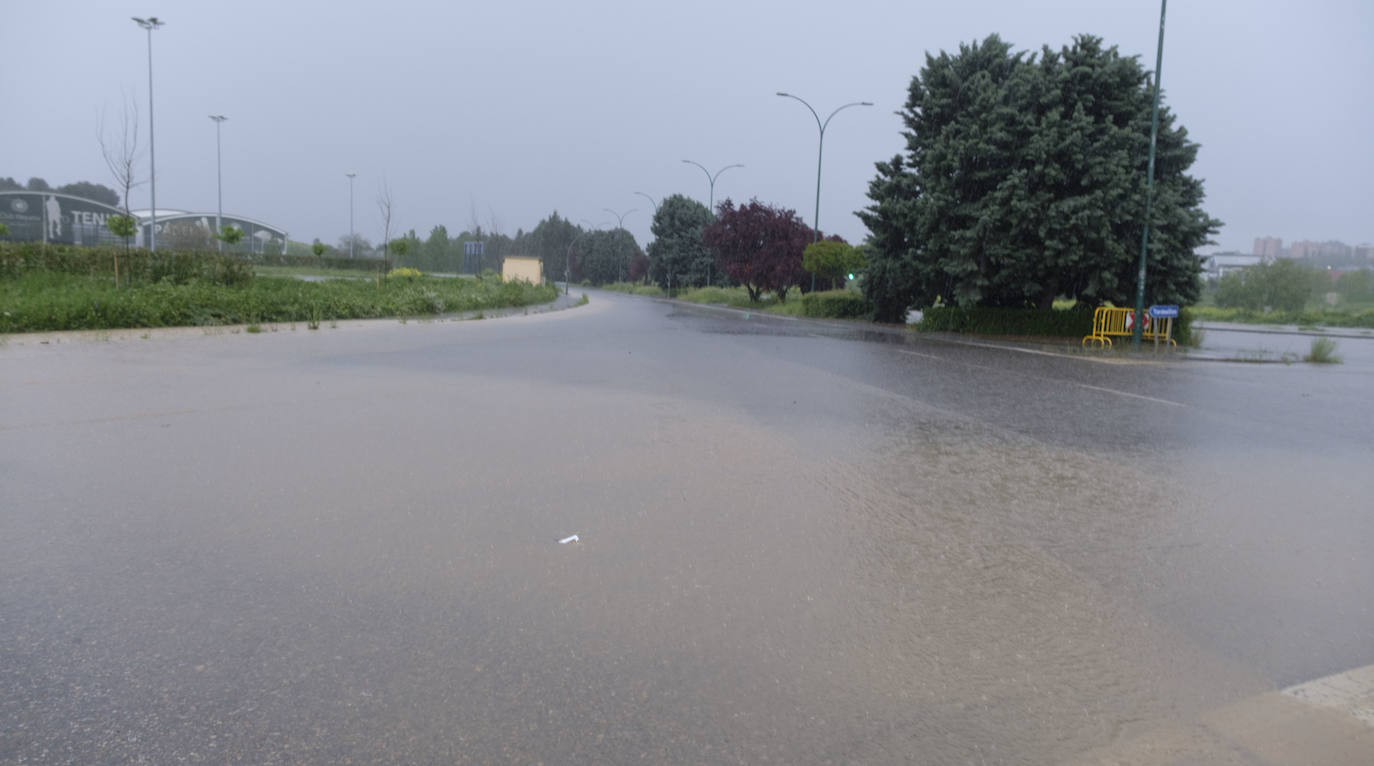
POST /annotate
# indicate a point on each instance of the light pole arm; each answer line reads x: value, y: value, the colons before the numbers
x: 722, y: 170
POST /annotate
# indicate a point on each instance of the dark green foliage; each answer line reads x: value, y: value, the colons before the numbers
x: 678, y: 253
x: 604, y: 257
x: 47, y: 300
x: 4, y: 230
x: 92, y: 191
x: 836, y: 304
x: 1024, y: 180
x: 549, y: 242
x: 987, y: 320
x: 1280, y: 285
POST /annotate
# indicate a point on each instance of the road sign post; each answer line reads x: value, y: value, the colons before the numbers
x: 1168, y: 313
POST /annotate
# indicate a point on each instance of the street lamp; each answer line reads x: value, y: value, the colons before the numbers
x: 620, y: 224
x: 1138, y: 328
x: 712, y: 178
x: 219, y: 184
x: 351, y: 237
x: 820, y: 147
x: 712, y: 201
x: 151, y: 23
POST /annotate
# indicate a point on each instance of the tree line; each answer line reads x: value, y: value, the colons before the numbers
x: 84, y: 189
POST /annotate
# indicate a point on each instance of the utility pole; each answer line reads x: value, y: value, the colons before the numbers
x: 1138, y: 328
x: 219, y: 184
x: 151, y: 23
x: 351, y: 237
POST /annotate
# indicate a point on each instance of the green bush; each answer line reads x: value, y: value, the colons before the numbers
x: 836, y: 304
x: 1059, y: 323
x: 135, y: 266
x: 1001, y: 321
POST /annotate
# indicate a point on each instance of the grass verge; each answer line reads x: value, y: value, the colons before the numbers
x: 1309, y: 319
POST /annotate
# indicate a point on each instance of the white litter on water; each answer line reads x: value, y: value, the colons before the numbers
x: 566, y: 540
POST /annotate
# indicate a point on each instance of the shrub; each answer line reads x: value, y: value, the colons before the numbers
x: 17, y: 259
x: 404, y: 273
x: 1003, y: 321
x: 1323, y: 351
x: 836, y: 304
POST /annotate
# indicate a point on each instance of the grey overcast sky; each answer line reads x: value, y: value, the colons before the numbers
x: 518, y: 108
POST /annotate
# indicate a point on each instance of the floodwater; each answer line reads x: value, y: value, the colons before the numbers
x: 797, y: 545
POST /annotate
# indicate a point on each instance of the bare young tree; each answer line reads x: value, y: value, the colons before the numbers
x: 120, y: 149
x: 384, y: 207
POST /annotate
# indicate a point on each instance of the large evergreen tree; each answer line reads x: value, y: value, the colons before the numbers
x: 1024, y: 180
x: 677, y: 256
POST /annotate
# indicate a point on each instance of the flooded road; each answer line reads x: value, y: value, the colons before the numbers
x: 798, y: 543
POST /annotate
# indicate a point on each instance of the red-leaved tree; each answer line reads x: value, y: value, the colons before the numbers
x: 760, y: 246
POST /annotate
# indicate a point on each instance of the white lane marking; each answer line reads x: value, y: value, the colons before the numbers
x: 1133, y: 396
x: 1351, y: 692
x: 1048, y: 380
x: 927, y: 356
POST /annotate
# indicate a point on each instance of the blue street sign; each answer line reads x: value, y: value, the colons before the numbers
x: 1164, y: 312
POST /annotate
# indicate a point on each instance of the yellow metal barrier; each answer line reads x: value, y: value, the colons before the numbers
x: 1108, y: 322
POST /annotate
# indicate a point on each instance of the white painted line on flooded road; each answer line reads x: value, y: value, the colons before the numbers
x: 1133, y: 396
x: 1351, y: 693
x: 1042, y: 377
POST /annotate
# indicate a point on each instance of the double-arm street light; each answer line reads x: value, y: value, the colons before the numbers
x: 820, y: 147
x: 351, y: 237
x: 219, y: 184
x: 151, y: 23
x: 711, y: 200
x: 620, y: 224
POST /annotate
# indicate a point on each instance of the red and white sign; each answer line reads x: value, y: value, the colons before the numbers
x: 1130, y: 321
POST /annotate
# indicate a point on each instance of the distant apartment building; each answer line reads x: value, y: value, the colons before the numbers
x: 1268, y: 247
x: 1364, y: 252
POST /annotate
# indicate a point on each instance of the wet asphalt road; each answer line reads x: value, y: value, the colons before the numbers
x: 800, y: 543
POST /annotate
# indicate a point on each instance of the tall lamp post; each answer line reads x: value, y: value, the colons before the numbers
x: 820, y: 147
x: 351, y: 237
x: 711, y: 204
x: 620, y: 224
x: 151, y: 23
x: 219, y: 184
x: 1138, y: 327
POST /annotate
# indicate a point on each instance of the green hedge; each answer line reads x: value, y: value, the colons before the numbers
x: 135, y: 266
x: 836, y: 304
x: 1064, y: 323
x: 46, y: 300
